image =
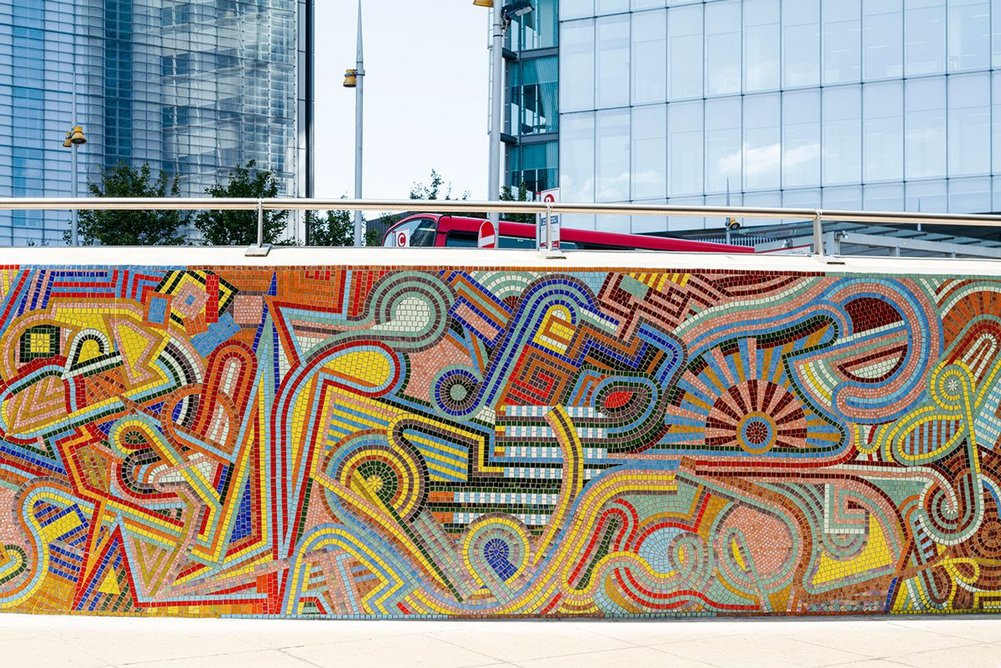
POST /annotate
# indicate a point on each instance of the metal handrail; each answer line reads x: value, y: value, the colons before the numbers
x: 458, y: 206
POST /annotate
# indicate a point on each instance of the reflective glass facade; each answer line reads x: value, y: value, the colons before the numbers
x: 194, y: 87
x: 531, y: 122
x: 878, y: 104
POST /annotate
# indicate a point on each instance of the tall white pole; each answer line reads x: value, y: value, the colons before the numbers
x: 359, y: 132
x: 497, y: 106
x: 74, y: 175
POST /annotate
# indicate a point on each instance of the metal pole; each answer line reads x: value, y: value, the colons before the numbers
x: 497, y: 105
x: 549, y: 229
x: 359, y: 132
x: 818, y: 232
x: 260, y: 223
x: 74, y: 175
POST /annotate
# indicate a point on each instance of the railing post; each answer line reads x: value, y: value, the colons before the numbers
x: 551, y: 252
x: 260, y: 223
x: 818, y: 233
x: 260, y: 249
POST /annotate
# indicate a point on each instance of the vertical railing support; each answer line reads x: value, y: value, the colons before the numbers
x: 552, y: 252
x: 260, y: 249
x: 818, y: 233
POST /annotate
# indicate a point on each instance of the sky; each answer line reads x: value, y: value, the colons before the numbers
x: 425, y: 96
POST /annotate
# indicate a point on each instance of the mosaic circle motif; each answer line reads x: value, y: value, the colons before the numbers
x: 455, y: 391
x: 757, y: 416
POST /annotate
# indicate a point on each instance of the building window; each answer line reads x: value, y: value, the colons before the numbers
x: 969, y: 125
x: 883, y: 131
x: 761, y: 45
x: 649, y: 43
x: 612, y: 157
x: 842, y: 135
x: 538, y: 29
x: 684, y: 47
x: 762, y: 142
x: 723, y: 55
x: 924, y: 30
x: 842, y: 41
x: 924, y: 132
x: 577, y: 66
x: 969, y: 34
x: 723, y: 145
x: 882, y: 39
x: 532, y: 96
x: 684, y: 148
x: 649, y: 152
x: 801, y: 139
x: 577, y: 157
x: 534, y: 165
x: 612, y: 70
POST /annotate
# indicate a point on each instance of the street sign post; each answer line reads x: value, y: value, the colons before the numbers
x: 547, y: 229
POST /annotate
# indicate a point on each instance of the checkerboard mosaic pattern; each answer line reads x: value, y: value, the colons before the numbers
x: 379, y: 442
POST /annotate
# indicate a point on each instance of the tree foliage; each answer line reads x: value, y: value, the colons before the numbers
x: 132, y: 228
x: 239, y: 228
x: 507, y: 194
x: 437, y: 188
x: 334, y: 228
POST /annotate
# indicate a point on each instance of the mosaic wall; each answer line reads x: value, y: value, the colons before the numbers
x: 322, y: 442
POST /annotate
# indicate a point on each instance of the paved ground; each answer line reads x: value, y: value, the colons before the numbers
x: 37, y: 642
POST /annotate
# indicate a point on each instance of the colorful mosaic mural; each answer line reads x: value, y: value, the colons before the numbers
x: 300, y: 442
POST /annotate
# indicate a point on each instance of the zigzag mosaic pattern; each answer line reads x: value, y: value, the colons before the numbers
x: 300, y: 442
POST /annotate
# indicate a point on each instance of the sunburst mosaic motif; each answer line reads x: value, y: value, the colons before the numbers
x: 441, y: 442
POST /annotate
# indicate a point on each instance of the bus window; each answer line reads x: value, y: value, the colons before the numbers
x: 469, y: 240
x: 521, y: 243
x: 529, y: 243
x: 461, y: 240
x: 420, y: 232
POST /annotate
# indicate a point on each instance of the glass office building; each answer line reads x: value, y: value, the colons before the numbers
x: 531, y: 122
x: 840, y: 104
x: 194, y: 87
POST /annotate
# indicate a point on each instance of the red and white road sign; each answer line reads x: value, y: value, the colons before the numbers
x: 551, y: 196
x: 402, y: 238
x: 487, y: 237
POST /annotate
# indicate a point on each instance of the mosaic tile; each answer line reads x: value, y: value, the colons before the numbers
x: 437, y: 442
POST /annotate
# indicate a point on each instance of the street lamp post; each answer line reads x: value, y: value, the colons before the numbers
x: 502, y: 15
x: 356, y: 79
x: 75, y: 138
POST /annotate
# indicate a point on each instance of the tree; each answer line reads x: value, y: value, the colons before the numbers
x: 239, y: 228
x: 433, y: 188
x: 436, y: 188
x: 508, y: 195
x: 333, y: 229
x: 132, y: 228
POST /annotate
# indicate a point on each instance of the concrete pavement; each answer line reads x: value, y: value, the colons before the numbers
x: 40, y: 641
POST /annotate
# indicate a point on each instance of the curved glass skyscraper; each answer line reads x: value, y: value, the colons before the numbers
x: 194, y: 87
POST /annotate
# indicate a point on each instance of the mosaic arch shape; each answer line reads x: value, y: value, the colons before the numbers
x: 442, y: 442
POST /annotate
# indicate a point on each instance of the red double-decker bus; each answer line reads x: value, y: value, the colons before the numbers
x: 429, y: 230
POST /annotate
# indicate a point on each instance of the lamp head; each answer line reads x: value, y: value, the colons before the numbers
x: 483, y: 3
x: 518, y: 8
x: 732, y: 224
x: 350, y: 78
